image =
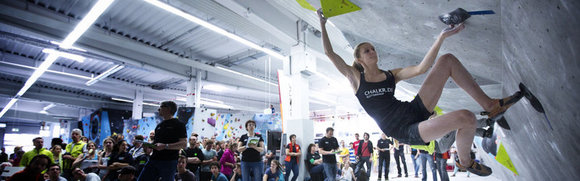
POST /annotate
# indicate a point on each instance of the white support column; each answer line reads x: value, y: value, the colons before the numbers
x: 198, y: 89
x: 295, y: 100
x: 138, y: 105
x: 190, y: 93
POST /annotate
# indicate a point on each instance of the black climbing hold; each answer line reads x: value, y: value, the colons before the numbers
x: 502, y: 122
x: 533, y: 100
x: 455, y: 17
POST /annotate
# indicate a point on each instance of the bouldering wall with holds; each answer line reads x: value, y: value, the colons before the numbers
x: 205, y: 122
x: 231, y: 126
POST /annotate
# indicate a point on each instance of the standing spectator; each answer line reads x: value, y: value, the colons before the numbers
x: 84, y: 139
x: 126, y: 173
x: 237, y: 175
x: 89, y: 161
x: 141, y: 160
x: 119, y: 159
x: 365, y: 150
x: 250, y: 146
x: 210, y: 156
x: 56, y: 151
x: 17, y: 157
x: 351, y: 155
x: 194, y: 155
x: 314, y: 163
x: 384, y: 155
x: 426, y: 157
x: 105, y: 156
x: 415, y: 156
x: 151, y: 136
x: 400, y: 155
x: 220, y: 149
x: 292, y: 158
x: 441, y: 161
x: 14, y: 156
x: 356, y: 143
x: 137, y: 149
x: 170, y: 137
x: 343, y: 153
x: 182, y: 173
x: 32, y: 172
x: 56, y: 141
x: 54, y: 173
x: 73, y: 150
x: 215, y: 172
x: 38, y: 150
x: 328, y: 147
x: 3, y: 156
x: 228, y: 160
x: 79, y: 175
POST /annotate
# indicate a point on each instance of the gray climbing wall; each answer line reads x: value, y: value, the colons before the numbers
x: 540, y: 47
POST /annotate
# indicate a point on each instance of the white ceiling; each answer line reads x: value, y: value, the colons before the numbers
x: 162, y: 51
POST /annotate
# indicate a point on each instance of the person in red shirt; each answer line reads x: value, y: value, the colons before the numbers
x: 365, y: 150
x: 355, y: 143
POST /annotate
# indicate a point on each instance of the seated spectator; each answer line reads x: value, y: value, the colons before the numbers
x: 89, y: 161
x: 33, y: 170
x: 273, y: 172
x: 126, y: 173
x: 140, y: 161
x: 215, y: 172
x: 79, y: 175
x: 54, y: 173
x: 119, y: 159
x: 237, y: 174
x: 183, y: 174
x: 314, y: 163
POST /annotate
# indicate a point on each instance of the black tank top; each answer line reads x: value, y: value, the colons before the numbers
x: 378, y: 100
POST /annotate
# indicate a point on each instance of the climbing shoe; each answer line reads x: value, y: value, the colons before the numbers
x: 505, y: 103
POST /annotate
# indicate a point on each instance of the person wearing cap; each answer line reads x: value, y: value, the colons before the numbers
x: 80, y: 175
x: 126, y: 173
x: 170, y: 137
x: 137, y: 149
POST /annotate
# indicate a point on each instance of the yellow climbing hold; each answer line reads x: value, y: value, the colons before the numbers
x: 332, y: 8
x: 503, y: 158
x: 306, y: 5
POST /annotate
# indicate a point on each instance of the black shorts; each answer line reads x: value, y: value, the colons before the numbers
x: 408, y: 129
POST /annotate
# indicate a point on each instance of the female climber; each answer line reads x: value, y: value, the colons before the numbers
x: 407, y: 121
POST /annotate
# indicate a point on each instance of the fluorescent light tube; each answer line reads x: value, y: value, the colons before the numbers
x: 86, y: 23
x: 130, y: 101
x: 74, y: 57
x: 215, y: 28
x: 51, y: 71
x: 112, y: 70
x: 248, y: 76
x: 71, y: 38
x: 8, y: 106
